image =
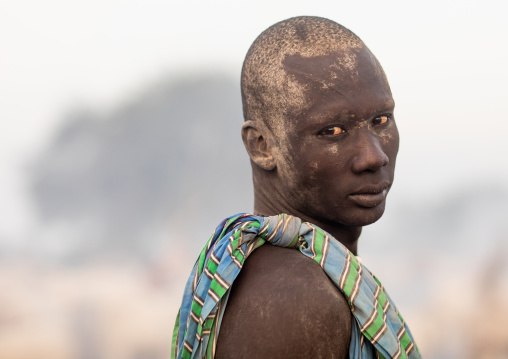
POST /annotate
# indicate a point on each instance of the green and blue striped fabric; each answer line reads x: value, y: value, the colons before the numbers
x: 378, y: 330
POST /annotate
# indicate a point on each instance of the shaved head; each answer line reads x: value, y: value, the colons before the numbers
x: 269, y: 93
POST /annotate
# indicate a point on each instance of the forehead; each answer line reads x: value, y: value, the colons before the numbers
x: 350, y: 81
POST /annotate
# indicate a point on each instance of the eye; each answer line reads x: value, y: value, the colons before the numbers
x: 381, y: 120
x: 331, y: 131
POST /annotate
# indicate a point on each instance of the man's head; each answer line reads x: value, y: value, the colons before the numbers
x: 319, y: 124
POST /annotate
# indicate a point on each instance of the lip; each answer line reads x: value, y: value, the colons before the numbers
x: 370, y: 196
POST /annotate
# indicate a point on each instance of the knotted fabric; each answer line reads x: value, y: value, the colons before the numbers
x: 378, y: 329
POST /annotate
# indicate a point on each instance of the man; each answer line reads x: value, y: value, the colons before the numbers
x: 319, y: 129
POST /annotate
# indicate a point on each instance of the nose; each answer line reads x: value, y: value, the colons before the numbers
x: 370, y: 156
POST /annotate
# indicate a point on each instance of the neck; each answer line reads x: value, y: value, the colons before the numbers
x: 270, y: 205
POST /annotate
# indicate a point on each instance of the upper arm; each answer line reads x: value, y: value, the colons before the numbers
x: 283, y: 304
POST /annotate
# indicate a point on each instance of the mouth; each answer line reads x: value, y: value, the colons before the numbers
x: 370, y: 196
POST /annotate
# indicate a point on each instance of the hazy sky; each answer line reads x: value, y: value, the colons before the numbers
x: 445, y: 60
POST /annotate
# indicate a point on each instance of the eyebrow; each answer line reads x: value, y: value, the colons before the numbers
x: 329, y: 118
x: 389, y: 105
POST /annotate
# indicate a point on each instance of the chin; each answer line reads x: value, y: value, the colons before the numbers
x: 363, y: 216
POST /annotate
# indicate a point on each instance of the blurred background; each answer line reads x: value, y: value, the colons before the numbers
x: 120, y: 131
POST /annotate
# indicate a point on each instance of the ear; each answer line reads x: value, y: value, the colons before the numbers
x: 257, y: 146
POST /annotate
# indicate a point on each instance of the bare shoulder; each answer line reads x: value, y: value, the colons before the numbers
x: 283, y: 304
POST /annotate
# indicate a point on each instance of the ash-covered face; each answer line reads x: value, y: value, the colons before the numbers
x: 335, y: 157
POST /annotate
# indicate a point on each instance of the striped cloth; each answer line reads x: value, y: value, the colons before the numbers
x: 378, y: 330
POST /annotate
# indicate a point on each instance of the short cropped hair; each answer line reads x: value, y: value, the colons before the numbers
x: 268, y: 93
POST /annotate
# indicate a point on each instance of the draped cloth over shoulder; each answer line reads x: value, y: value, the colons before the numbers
x: 378, y: 329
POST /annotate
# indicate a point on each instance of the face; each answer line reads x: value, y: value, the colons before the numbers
x: 336, y: 155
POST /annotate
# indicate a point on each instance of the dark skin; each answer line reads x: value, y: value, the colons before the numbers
x: 330, y: 163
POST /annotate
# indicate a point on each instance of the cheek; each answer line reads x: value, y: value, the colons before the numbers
x: 320, y: 169
x: 308, y: 166
x: 300, y: 175
x: 313, y: 167
x: 391, y: 145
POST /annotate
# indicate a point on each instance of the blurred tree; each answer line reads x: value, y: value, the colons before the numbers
x: 163, y: 159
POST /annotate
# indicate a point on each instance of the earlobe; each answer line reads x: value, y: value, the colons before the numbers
x: 257, y: 146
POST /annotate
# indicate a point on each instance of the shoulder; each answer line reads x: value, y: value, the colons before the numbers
x: 283, y: 302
